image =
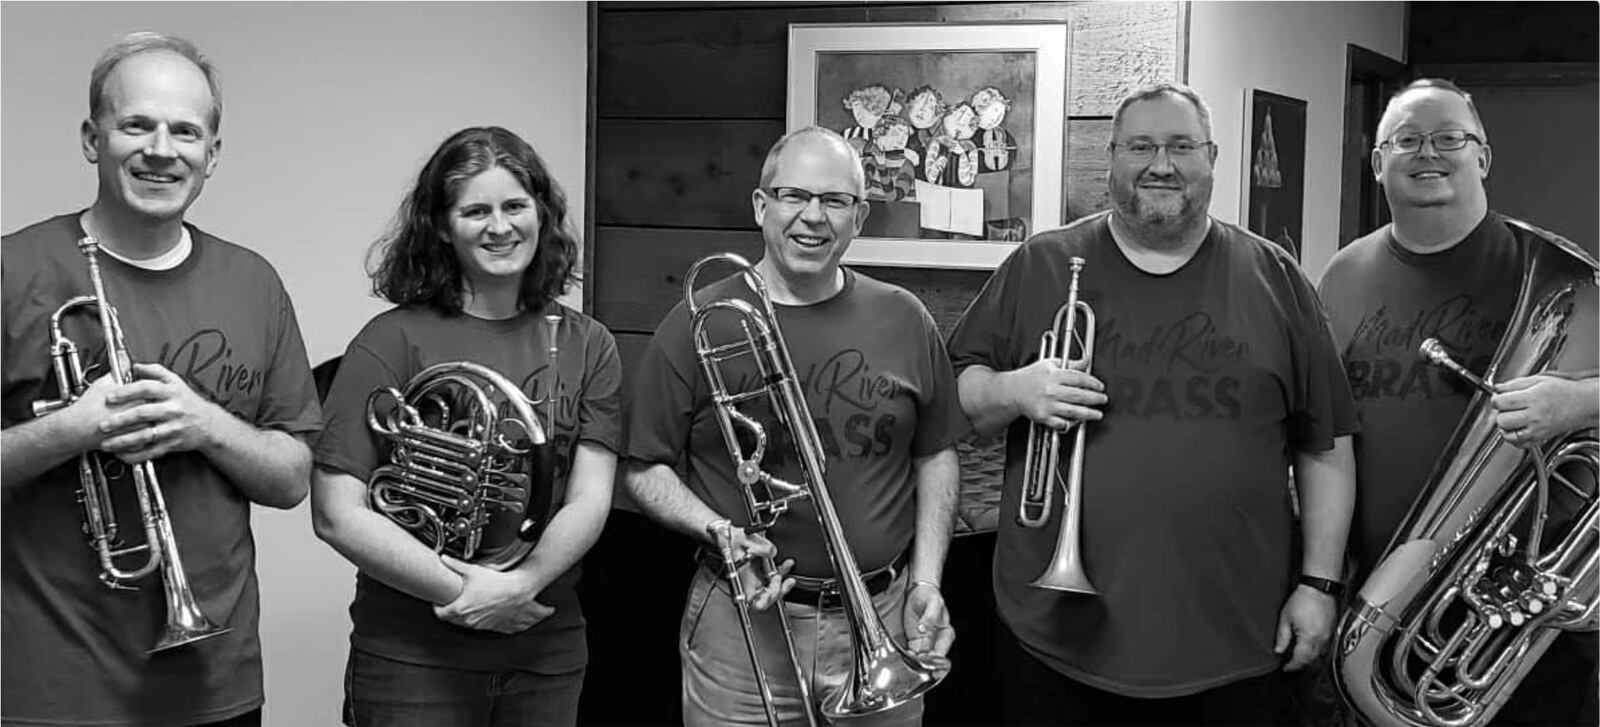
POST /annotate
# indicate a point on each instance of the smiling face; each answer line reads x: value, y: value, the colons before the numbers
x: 1164, y: 190
x: 152, y: 144
x: 806, y: 242
x: 494, y: 229
x: 1429, y: 177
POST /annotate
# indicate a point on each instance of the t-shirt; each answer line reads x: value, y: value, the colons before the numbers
x: 1384, y: 301
x: 75, y: 650
x: 1215, y: 374
x: 389, y: 351
x: 879, y: 388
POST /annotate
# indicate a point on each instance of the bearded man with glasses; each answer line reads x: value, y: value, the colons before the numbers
x: 1213, y: 372
x: 1449, y: 268
x: 878, y: 383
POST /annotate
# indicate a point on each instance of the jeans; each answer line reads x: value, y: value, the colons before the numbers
x: 719, y: 686
x: 379, y: 692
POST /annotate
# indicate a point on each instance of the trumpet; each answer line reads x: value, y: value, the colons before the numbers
x: 185, y: 622
x: 883, y: 674
x: 1041, y: 471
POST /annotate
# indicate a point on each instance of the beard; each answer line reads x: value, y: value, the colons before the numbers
x: 1163, y: 212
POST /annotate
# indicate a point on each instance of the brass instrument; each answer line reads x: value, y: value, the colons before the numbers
x: 1041, y: 471
x: 471, y: 470
x: 1478, y: 580
x: 185, y: 622
x: 883, y: 674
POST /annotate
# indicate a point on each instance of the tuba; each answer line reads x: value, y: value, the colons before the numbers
x: 883, y: 674
x: 471, y: 470
x: 1479, y: 580
x: 185, y: 622
x: 1041, y: 470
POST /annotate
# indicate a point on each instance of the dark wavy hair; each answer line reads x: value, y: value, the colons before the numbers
x: 416, y: 267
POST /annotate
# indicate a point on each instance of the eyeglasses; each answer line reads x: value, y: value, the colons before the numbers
x: 797, y: 198
x: 1443, y: 140
x: 1144, y: 149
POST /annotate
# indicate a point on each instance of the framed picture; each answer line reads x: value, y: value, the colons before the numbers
x: 960, y: 127
x: 1275, y: 168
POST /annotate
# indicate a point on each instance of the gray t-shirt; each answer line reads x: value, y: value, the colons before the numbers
x: 880, y: 390
x: 1216, y: 374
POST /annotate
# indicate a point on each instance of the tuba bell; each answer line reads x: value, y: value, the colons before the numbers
x: 1041, y: 470
x: 1479, y: 578
x: 185, y: 624
x: 883, y: 674
x: 471, y: 470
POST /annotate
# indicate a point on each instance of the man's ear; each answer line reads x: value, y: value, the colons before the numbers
x: 1377, y: 164
x: 1485, y: 158
x: 758, y: 205
x: 862, y: 210
x: 89, y: 137
x: 212, y: 155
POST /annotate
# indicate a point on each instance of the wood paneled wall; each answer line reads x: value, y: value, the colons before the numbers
x: 690, y: 96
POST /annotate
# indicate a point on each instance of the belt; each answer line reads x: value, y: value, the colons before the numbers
x: 820, y: 592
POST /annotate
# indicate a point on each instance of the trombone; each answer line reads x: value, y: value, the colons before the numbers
x: 185, y: 621
x: 1041, y: 470
x: 883, y: 674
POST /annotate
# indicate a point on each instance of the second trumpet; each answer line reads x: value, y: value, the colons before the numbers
x: 1069, y: 341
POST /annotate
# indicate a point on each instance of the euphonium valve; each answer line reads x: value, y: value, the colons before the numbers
x: 1041, y: 470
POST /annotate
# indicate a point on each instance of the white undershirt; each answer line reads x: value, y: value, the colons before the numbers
x: 165, y: 261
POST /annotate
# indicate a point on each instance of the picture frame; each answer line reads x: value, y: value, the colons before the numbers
x: 961, y: 128
x: 1274, y: 175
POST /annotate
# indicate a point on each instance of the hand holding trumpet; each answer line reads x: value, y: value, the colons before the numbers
x: 1056, y: 396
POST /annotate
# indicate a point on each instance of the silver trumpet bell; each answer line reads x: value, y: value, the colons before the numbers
x: 185, y: 622
x: 1041, y: 470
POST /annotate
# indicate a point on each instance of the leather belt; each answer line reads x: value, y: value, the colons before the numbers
x: 820, y: 592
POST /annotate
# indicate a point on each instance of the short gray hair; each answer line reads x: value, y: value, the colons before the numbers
x: 134, y: 44
x: 1155, y: 90
x: 769, y: 168
x: 1443, y: 85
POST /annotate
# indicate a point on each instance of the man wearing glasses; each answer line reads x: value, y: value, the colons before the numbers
x: 1213, y: 372
x: 878, y: 383
x: 1449, y: 268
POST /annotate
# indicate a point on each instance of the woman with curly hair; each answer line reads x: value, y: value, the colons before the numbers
x: 480, y: 251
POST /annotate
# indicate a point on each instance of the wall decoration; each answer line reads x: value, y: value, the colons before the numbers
x: 1275, y: 168
x: 960, y: 128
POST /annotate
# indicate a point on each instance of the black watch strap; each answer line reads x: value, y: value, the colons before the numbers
x: 1330, y: 587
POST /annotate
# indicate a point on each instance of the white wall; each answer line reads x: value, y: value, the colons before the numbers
x: 329, y: 111
x: 1296, y: 49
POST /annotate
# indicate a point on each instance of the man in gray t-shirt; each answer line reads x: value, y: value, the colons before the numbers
x: 1213, y: 372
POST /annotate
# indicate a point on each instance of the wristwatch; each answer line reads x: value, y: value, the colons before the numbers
x: 1330, y: 587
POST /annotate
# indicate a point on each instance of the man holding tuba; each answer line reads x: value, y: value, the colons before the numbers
x: 194, y: 392
x: 1451, y: 269
x: 878, y: 385
x: 1212, y: 373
